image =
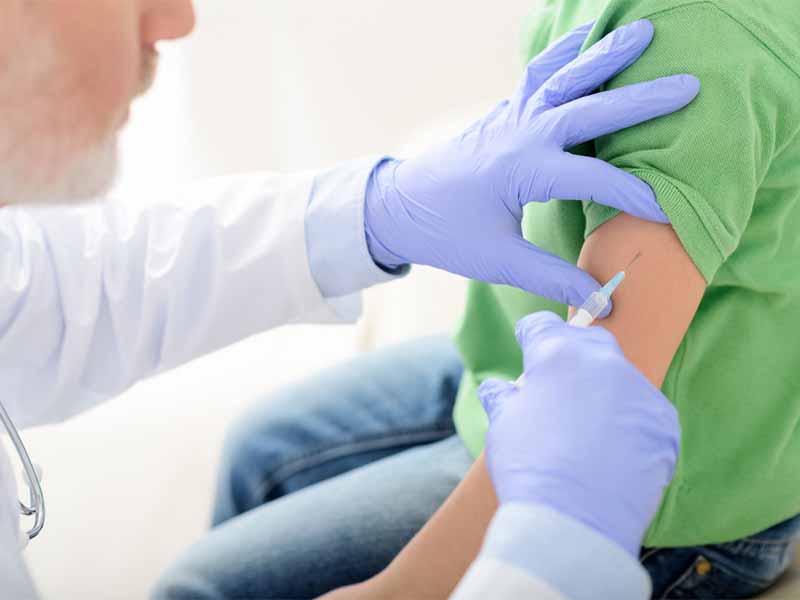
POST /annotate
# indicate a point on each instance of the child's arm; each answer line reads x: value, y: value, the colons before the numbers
x: 656, y: 303
x: 435, y: 560
x: 652, y: 311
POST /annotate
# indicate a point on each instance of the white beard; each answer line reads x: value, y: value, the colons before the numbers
x: 26, y: 179
x: 38, y: 163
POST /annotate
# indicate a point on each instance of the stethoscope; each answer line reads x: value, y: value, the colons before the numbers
x: 33, y: 479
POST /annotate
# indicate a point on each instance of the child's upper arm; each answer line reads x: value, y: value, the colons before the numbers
x: 704, y: 163
x: 657, y: 301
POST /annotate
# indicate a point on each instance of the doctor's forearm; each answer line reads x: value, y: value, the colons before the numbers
x: 94, y: 299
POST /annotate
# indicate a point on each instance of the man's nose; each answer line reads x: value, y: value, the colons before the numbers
x: 166, y: 20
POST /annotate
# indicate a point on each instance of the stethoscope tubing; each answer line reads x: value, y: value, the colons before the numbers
x: 36, y: 507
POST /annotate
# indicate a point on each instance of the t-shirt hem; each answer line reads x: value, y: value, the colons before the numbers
x: 689, y: 220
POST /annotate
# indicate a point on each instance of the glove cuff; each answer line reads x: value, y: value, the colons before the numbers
x: 380, y: 189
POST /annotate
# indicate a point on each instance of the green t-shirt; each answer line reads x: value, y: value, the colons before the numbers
x: 726, y: 170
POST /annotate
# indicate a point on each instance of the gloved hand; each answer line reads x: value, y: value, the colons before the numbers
x: 586, y: 434
x: 459, y: 206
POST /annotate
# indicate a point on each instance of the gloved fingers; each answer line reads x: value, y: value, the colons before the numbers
x: 661, y: 420
x: 544, y: 65
x: 492, y: 393
x: 484, y: 121
x: 597, y: 115
x: 531, y: 327
x: 671, y: 429
x: 591, y: 179
x: 602, y: 337
x: 524, y: 266
x: 608, y: 57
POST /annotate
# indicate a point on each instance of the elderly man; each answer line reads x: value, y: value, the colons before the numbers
x: 93, y: 299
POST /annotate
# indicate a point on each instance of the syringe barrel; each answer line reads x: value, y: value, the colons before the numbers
x: 591, y: 309
x: 581, y: 318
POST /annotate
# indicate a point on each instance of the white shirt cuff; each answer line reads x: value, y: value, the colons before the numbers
x: 336, y: 239
x: 573, y: 558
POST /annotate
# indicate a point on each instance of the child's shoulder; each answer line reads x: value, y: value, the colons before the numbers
x: 768, y: 10
x: 774, y: 24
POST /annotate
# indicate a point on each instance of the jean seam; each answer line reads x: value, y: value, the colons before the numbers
x: 649, y: 553
x: 322, y: 456
x: 725, y: 566
x: 780, y: 542
x: 686, y: 574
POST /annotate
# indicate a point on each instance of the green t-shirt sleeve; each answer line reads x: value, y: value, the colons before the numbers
x: 705, y: 162
x: 531, y: 44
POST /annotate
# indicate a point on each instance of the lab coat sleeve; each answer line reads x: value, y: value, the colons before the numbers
x: 15, y: 580
x: 491, y: 578
x: 341, y: 264
x: 535, y: 552
x: 93, y: 299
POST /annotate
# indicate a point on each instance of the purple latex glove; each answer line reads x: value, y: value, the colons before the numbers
x: 586, y: 434
x: 459, y: 206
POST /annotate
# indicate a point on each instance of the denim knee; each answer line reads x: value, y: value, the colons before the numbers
x: 338, y: 420
x: 251, y: 452
x: 180, y: 584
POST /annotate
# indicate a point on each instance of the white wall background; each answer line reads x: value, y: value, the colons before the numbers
x: 279, y: 85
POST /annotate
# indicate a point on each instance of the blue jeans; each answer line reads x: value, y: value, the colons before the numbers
x: 324, y: 483
x: 740, y: 569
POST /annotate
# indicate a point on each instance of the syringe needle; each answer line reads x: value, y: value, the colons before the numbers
x: 630, y: 264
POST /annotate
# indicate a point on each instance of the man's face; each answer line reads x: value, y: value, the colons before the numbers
x: 69, y: 70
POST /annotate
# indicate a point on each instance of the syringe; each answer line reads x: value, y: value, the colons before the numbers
x: 595, y: 304
x: 599, y: 300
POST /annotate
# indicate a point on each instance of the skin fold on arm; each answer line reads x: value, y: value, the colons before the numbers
x: 653, y: 309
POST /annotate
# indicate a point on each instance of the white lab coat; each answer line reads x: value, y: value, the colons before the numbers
x: 93, y: 299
